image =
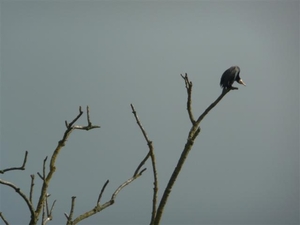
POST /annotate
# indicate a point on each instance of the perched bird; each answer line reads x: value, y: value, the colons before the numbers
x: 229, y: 76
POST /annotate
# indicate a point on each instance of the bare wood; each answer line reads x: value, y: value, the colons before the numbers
x: 189, y: 86
x: 49, y: 213
x: 89, y: 126
x: 99, y: 207
x: 18, y: 190
x: 71, y: 210
x: 153, y: 162
x: 43, y: 215
x: 52, y: 168
x: 44, y: 170
x: 31, y: 187
x: 66, y: 215
x: 17, y: 168
x: 141, y: 164
x: 201, y: 117
x: 46, y: 203
x: 193, y: 133
x: 101, y: 192
x: 126, y: 183
x: 52, y: 207
x: 3, y: 219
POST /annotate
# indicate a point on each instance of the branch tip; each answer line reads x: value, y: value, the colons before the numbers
x: 101, y: 192
x: 142, y: 171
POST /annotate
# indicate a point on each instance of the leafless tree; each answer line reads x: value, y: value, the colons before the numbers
x: 42, y: 209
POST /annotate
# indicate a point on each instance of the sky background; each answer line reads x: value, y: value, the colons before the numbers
x: 59, y: 55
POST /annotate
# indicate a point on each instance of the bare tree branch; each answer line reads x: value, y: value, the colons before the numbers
x: 31, y: 187
x: 17, y: 168
x: 46, y: 203
x: 52, y: 168
x: 66, y: 215
x: 38, y: 173
x: 3, y: 219
x: 43, y: 214
x: 193, y: 133
x: 17, y: 189
x: 151, y: 154
x: 52, y: 207
x: 99, y: 207
x: 69, y: 217
x: 102, y: 190
x: 49, y: 212
x: 141, y: 164
x: 189, y: 86
x: 212, y: 105
x: 126, y: 183
x: 88, y: 116
x: 89, y: 126
x: 44, y: 170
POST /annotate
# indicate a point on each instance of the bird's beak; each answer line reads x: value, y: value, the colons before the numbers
x: 242, y: 82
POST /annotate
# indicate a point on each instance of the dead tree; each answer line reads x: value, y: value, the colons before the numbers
x: 42, y: 208
x: 195, y: 129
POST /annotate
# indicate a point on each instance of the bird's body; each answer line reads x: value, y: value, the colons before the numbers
x: 229, y: 76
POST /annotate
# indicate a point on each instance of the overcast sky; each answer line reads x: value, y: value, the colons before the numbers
x: 59, y: 55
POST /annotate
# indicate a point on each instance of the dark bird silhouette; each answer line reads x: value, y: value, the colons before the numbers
x: 229, y: 76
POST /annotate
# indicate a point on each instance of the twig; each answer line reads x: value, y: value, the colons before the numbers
x: 47, y: 207
x: 141, y: 164
x: 30, y: 206
x: 88, y: 116
x: 102, y: 190
x: 76, y: 118
x: 99, y: 207
x: 4, y: 220
x: 189, y: 86
x: 193, y: 133
x: 49, y: 213
x: 52, y: 168
x: 212, y: 105
x: 85, y: 127
x: 89, y: 126
x: 52, y: 207
x: 72, y: 208
x: 125, y: 184
x: 66, y: 215
x: 44, y: 170
x: 152, y: 155
x: 146, y: 138
x: 31, y: 187
x: 17, y: 168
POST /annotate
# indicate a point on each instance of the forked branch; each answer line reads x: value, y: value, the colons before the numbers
x: 189, y: 86
x: 17, y: 168
x: 152, y: 156
x: 48, y: 212
x: 47, y: 177
x: 98, y: 206
x: 193, y: 133
x: 18, y: 190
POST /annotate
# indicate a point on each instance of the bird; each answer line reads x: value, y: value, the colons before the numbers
x: 229, y: 76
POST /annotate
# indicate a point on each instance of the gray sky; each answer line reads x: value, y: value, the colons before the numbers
x: 58, y: 55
